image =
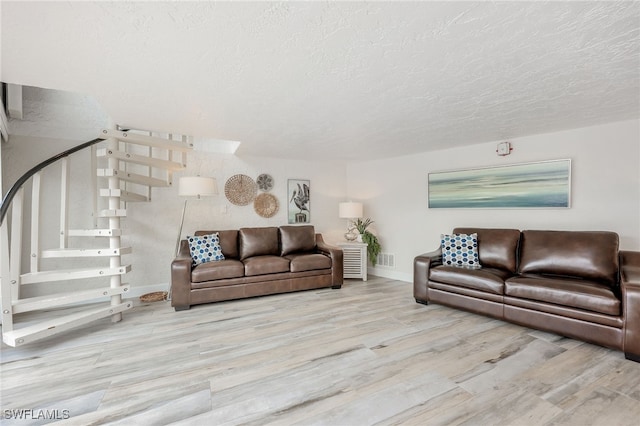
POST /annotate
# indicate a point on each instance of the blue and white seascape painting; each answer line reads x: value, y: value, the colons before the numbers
x: 544, y: 184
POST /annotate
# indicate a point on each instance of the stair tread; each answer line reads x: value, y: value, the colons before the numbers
x: 152, y: 141
x: 85, y: 252
x: 113, y: 213
x: 70, y: 271
x: 55, y: 325
x: 70, y: 274
x: 140, y: 159
x: 65, y: 298
x: 61, y: 295
x: 134, y: 178
x: 124, y: 195
x: 95, y: 232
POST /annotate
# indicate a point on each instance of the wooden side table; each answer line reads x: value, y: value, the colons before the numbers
x: 355, y: 259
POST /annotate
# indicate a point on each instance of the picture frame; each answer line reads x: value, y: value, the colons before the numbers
x: 299, y: 201
x: 542, y: 184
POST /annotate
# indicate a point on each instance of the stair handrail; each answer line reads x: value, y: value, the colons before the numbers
x: 8, y: 198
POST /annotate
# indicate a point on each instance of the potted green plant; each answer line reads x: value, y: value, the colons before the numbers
x: 373, y: 245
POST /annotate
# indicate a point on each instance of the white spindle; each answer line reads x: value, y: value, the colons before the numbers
x: 35, y: 223
x: 149, y: 169
x: 94, y: 184
x: 64, y: 204
x: 5, y: 278
x: 15, y: 253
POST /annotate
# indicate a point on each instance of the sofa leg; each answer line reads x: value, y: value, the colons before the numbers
x: 632, y: 357
x: 422, y: 302
x: 182, y: 308
x: 335, y: 287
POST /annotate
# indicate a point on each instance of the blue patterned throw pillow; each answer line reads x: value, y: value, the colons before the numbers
x: 205, y: 248
x: 460, y: 250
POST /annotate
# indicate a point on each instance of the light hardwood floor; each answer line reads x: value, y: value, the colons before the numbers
x: 366, y: 354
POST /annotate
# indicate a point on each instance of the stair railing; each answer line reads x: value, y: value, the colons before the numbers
x: 8, y: 198
x: 11, y: 251
x: 148, y: 161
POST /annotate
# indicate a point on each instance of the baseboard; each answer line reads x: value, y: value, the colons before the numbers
x: 394, y: 275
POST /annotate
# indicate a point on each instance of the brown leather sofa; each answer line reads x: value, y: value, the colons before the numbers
x: 576, y: 284
x: 258, y: 261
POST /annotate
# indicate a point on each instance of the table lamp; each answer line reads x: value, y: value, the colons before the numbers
x: 350, y: 210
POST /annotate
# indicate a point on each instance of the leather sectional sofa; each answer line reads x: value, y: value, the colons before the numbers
x: 576, y: 284
x: 257, y: 262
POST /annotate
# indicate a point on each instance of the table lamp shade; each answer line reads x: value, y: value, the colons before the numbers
x: 350, y: 210
x: 197, y: 186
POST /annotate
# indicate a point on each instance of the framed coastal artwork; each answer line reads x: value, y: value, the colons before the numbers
x: 299, y: 206
x: 544, y: 184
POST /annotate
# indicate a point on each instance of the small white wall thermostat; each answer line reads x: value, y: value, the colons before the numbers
x: 504, y: 148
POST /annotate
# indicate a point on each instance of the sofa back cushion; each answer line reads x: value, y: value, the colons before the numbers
x: 588, y: 255
x: 497, y: 248
x: 296, y: 239
x: 258, y: 242
x: 228, y: 242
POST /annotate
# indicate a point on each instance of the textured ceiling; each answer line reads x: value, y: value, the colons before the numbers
x: 335, y: 79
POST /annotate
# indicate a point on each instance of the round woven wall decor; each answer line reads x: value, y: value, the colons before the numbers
x: 240, y: 189
x: 266, y: 205
x: 265, y: 182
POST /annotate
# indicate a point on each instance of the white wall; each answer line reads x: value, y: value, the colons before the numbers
x: 605, y: 190
x: 151, y: 228
x: 605, y: 196
x: 52, y: 122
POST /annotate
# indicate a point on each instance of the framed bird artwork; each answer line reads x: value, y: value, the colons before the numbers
x: 299, y: 207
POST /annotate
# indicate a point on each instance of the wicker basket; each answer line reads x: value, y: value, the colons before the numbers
x: 156, y: 296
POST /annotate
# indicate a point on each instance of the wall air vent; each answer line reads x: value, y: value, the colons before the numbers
x: 387, y: 260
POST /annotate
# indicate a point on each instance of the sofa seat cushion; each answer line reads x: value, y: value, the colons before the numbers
x: 489, y: 280
x: 227, y: 268
x: 581, y: 294
x: 261, y: 265
x: 309, y: 262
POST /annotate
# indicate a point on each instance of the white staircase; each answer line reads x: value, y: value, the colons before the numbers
x: 126, y: 165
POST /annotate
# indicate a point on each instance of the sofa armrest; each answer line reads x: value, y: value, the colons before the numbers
x: 336, y: 255
x: 630, y: 289
x: 421, y: 265
x: 181, y: 278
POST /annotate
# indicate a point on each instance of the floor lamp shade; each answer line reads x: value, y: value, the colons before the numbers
x: 349, y: 210
x: 194, y: 186
x: 197, y: 186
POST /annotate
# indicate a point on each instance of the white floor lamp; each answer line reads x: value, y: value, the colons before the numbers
x: 194, y: 186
